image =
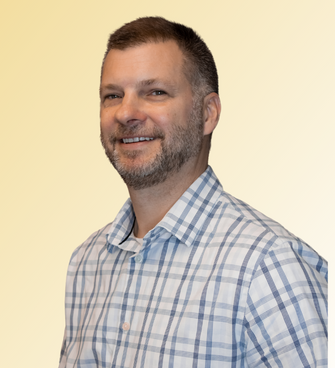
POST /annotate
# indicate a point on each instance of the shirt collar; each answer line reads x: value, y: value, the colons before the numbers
x: 184, y: 220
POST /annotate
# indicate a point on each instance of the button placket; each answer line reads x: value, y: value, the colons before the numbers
x: 138, y: 258
x: 125, y: 326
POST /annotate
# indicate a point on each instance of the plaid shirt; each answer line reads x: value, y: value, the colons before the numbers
x: 215, y: 284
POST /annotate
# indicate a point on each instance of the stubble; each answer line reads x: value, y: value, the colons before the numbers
x: 182, y: 143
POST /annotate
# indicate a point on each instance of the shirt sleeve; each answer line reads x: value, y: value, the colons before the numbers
x: 286, y: 316
x: 62, y: 360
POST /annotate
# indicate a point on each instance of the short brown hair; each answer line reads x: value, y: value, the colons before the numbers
x: 199, y: 65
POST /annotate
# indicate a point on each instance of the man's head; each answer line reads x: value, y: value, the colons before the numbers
x: 157, y: 107
x: 199, y: 65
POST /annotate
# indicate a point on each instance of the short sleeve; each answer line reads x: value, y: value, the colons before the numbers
x: 62, y: 360
x: 286, y: 316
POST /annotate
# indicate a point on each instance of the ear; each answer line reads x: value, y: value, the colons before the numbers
x: 212, y: 110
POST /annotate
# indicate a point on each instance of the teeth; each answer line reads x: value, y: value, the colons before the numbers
x: 136, y: 139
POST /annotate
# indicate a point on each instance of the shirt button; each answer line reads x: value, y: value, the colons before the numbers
x: 138, y: 258
x: 126, y: 326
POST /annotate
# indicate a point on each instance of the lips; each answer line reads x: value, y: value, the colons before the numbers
x: 135, y: 139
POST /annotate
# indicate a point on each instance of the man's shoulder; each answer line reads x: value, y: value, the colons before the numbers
x: 251, y: 231
x: 253, y: 220
x: 93, y: 245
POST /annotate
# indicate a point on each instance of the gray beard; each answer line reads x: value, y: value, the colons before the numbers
x: 184, y: 143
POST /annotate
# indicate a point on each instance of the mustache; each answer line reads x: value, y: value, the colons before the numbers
x: 137, y: 130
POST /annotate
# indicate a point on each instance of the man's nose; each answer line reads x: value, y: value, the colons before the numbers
x: 130, y: 110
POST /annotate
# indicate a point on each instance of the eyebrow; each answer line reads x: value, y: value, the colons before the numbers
x: 149, y: 82
x: 108, y: 87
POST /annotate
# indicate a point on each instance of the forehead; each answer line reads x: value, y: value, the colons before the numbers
x: 162, y: 60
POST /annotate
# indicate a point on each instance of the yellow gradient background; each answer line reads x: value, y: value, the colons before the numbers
x: 273, y: 148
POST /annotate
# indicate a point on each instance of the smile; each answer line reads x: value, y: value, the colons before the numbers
x: 136, y: 139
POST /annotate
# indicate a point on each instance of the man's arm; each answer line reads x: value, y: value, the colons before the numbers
x: 286, y: 317
x: 62, y: 360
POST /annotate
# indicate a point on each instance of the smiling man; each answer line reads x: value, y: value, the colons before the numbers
x: 186, y: 274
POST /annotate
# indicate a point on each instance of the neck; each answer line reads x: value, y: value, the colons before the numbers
x: 151, y: 204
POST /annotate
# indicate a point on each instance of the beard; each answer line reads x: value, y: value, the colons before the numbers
x: 182, y: 144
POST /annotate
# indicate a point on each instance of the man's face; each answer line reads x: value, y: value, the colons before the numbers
x: 150, y: 123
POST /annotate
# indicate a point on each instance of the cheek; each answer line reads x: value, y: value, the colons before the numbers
x: 169, y: 116
x: 106, y: 121
x: 181, y: 115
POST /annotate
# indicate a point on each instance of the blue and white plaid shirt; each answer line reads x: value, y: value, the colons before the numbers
x: 215, y: 284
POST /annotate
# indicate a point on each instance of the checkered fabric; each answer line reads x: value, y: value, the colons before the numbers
x: 215, y: 284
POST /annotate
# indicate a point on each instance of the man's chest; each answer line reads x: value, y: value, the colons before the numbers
x: 171, y: 305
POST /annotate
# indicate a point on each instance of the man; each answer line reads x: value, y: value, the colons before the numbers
x: 186, y: 275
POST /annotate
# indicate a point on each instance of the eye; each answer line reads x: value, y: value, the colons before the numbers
x: 158, y: 93
x: 111, y: 97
